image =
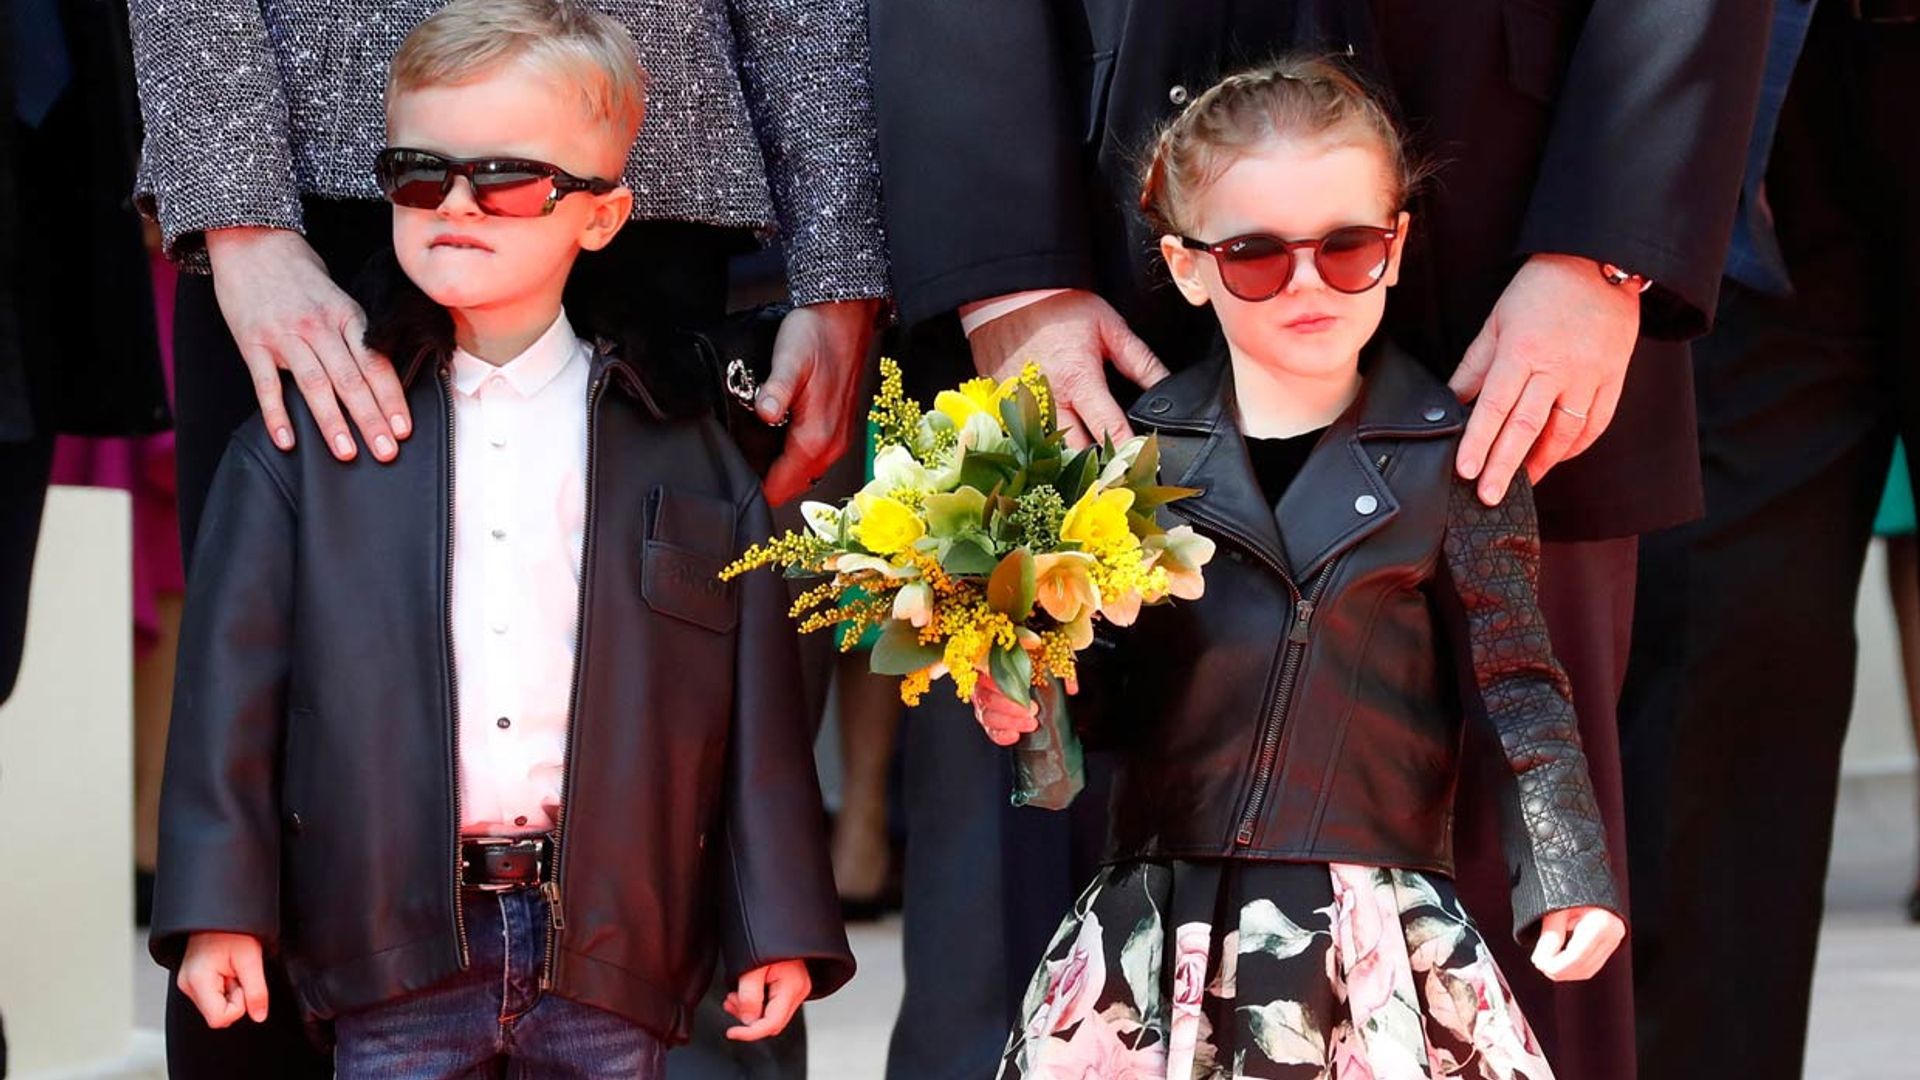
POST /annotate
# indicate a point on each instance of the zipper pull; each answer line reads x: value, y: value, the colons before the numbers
x: 1245, y: 838
x: 1302, y: 616
x: 554, y: 912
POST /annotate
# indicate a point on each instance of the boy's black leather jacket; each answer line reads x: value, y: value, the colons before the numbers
x: 1310, y: 706
x: 310, y: 790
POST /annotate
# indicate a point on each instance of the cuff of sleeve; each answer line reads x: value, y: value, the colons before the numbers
x: 979, y: 313
x: 184, y: 228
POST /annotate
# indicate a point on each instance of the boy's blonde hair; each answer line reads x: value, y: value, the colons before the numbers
x: 565, y: 39
x: 1294, y: 97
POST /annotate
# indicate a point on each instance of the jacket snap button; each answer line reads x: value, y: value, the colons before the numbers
x: 1159, y: 405
x: 1434, y: 414
x: 1366, y: 504
x: 1177, y: 95
x: 298, y: 821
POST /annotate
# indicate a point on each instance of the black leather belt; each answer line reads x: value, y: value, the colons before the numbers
x: 504, y: 863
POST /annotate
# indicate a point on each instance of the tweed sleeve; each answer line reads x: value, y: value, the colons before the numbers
x: 217, y: 151
x: 804, y: 66
x: 1555, y: 839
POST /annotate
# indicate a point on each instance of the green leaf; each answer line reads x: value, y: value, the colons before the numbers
x: 1157, y: 495
x: 986, y: 472
x: 954, y: 513
x: 1075, y: 476
x: 899, y: 652
x: 1015, y: 418
x: 968, y: 555
x: 1010, y: 590
x: 1012, y: 671
x: 1146, y: 467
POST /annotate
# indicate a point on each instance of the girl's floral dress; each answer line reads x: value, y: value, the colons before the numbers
x: 1264, y: 969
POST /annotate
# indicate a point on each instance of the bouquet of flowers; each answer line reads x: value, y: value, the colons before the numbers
x: 982, y: 546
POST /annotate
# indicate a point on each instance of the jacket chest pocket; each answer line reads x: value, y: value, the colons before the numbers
x: 689, y: 541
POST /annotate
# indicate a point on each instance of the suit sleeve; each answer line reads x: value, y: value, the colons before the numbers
x: 1648, y: 145
x: 219, y: 859
x: 217, y: 151
x: 985, y: 185
x: 777, y: 898
x: 804, y: 69
x: 1551, y: 828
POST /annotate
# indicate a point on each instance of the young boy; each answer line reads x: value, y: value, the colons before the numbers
x: 475, y: 741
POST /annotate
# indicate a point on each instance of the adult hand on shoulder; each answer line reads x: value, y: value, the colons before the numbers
x: 1576, y: 942
x: 222, y: 975
x: 1547, y: 368
x: 1070, y: 335
x: 817, y: 360
x: 286, y: 314
x: 767, y: 998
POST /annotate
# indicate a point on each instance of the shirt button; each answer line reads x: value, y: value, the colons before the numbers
x: 1366, y: 504
x: 1177, y: 95
x: 503, y: 723
x: 498, y: 440
x: 500, y: 627
x: 521, y: 820
x: 499, y: 534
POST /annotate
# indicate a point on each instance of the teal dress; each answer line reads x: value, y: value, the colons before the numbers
x: 1896, y: 516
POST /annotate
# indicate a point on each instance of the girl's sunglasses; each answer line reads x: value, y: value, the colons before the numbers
x: 503, y: 187
x: 1255, y: 267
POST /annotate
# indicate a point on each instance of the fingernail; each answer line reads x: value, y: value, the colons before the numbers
x: 383, y: 446
x: 283, y: 438
x: 343, y: 444
x: 400, y: 425
x: 769, y: 407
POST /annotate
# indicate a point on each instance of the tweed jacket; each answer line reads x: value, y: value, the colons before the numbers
x: 759, y: 116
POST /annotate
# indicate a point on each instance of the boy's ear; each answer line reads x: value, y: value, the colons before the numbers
x: 1399, y: 249
x: 1184, y: 264
x: 610, y: 213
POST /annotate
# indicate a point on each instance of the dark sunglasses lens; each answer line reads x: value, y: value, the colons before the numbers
x: 1256, y: 267
x: 418, y: 181
x: 512, y: 191
x: 1352, y: 260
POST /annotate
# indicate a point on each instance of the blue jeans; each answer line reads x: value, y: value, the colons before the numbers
x: 492, y: 1020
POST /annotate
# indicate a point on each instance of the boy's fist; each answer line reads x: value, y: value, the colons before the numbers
x: 222, y: 976
x: 767, y: 999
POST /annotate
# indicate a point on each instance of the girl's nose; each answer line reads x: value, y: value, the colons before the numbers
x: 458, y: 202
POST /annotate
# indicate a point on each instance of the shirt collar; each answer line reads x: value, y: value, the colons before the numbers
x: 528, y: 373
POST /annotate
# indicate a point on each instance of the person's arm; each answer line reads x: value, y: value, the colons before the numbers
x: 220, y: 827
x: 1551, y: 828
x: 1642, y: 171
x: 217, y: 152
x: 776, y: 895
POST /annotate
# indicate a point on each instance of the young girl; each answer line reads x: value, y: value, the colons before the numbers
x: 1277, y: 901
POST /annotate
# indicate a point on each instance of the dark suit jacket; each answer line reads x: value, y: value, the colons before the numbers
x: 1011, y: 134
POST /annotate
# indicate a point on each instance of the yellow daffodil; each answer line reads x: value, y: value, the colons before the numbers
x: 974, y: 397
x: 886, y: 526
x: 1099, y: 520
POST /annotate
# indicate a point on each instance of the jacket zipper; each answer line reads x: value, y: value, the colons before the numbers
x: 556, y: 914
x: 1293, y: 650
x: 453, y: 684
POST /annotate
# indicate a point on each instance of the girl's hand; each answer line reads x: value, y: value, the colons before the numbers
x: 1576, y: 942
x: 767, y: 998
x: 1003, y: 718
x: 222, y: 975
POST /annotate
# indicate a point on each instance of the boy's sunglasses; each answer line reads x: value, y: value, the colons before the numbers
x: 1256, y: 266
x: 503, y: 187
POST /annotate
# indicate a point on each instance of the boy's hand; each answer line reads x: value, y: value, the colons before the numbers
x: 818, y: 356
x: 1576, y: 942
x: 222, y: 976
x: 1004, y: 719
x: 767, y: 999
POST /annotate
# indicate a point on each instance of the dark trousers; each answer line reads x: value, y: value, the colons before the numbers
x: 1742, y: 675
x: 660, y: 266
x: 1587, y: 595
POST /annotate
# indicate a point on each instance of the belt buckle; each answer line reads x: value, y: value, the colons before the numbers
x: 539, y: 849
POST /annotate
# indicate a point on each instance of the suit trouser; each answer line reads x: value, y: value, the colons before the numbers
x: 1742, y: 677
x: 664, y: 266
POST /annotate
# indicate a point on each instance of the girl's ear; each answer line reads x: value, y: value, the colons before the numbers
x: 610, y: 213
x: 1184, y: 264
x: 1399, y: 248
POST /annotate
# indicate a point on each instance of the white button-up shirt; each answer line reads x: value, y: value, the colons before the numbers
x: 519, y: 515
